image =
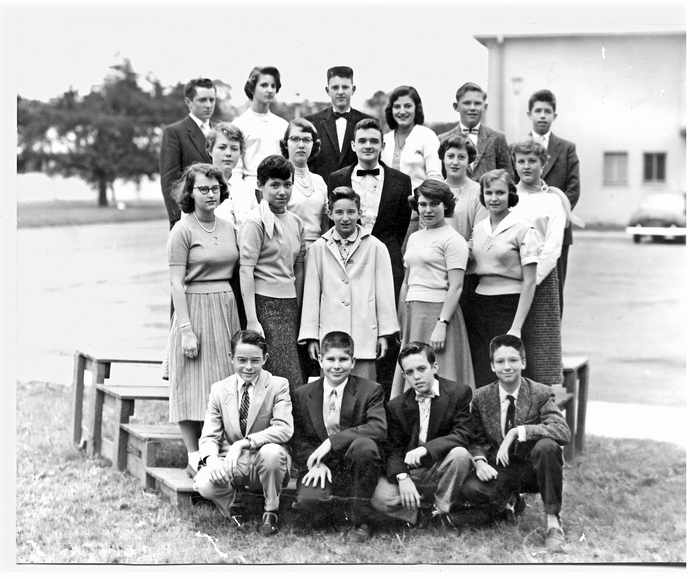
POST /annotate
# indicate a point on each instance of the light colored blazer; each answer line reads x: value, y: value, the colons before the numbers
x: 419, y: 158
x: 269, y: 415
x: 357, y: 298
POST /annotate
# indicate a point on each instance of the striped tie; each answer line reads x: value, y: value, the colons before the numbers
x: 243, y: 411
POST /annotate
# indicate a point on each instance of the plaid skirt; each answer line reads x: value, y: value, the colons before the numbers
x: 214, y: 318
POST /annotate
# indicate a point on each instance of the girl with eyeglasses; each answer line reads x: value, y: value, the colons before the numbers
x: 202, y: 253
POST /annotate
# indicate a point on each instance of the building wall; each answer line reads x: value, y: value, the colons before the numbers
x: 614, y: 93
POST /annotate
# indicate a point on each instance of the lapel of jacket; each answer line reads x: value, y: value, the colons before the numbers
x: 553, y: 152
x: 493, y: 418
x: 411, y: 417
x: 347, y: 406
x: 316, y: 409
x: 387, y: 190
x: 482, y: 144
x: 438, y: 409
x: 352, y: 121
x: 333, y: 248
x: 522, y: 406
x: 231, y: 403
x: 258, y: 396
x: 197, y: 137
x: 329, y: 126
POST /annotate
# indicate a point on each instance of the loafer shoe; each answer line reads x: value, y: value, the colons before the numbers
x: 270, y: 523
x: 554, y: 540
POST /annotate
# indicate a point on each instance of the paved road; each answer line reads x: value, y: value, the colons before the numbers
x: 104, y: 288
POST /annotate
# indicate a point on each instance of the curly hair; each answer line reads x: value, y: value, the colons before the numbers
x: 529, y: 147
x: 398, y: 92
x: 182, y: 190
x: 456, y: 142
x: 435, y: 191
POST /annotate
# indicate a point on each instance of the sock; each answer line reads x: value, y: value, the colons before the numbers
x: 553, y: 521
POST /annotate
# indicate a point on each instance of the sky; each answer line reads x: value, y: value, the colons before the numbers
x: 428, y: 45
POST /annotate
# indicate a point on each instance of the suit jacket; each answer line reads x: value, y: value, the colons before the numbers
x: 393, y: 214
x: 492, y: 151
x: 535, y: 409
x: 183, y: 144
x: 333, y: 155
x: 561, y: 171
x: 450, y: 425
x: 269, y: 415
x: 362, y: 414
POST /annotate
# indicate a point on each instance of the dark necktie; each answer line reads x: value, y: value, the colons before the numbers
x: 345, y: 116
x: 243, y: 411
x: 363, y: 172
x: 510, y: 415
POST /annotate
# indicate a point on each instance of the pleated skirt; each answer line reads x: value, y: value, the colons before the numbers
x: 279, y: 318
x: 214, y: 317
x: 454, y: 360
x: 542, y: 333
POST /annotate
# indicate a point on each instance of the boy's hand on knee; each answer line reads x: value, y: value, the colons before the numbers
x: 317, y: 474
x: 484, y: 471
x: 410, y: 497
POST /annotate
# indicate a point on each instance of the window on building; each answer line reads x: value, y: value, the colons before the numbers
x: 654, y: 167
x: 615, y: 168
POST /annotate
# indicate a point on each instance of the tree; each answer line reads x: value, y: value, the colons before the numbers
x: 113, y: 132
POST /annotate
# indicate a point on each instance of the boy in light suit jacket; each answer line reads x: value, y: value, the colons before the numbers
x: 246, y: 426
x: 561, y: 169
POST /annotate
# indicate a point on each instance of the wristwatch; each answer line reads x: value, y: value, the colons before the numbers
x: 401, y: 476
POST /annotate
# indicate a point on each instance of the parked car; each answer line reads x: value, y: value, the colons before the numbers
x: 660, y: 215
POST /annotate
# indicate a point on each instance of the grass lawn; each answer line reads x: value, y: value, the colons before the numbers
x: 624, y: 502
x: 53, y: 213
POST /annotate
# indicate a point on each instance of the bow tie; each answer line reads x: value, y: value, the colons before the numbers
x: 363, y: 172
x: 345, y: 116
x: 472, y: 131
x: 421, y: 397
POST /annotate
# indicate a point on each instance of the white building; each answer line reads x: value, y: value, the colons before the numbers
x: 620, y: 98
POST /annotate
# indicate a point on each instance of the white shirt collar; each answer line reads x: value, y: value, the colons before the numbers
x: 204, y: 125
x: 463, y: 128
x: 327, y: 387
x: 504, y: 395
x: 435, y: 388
x: 239, y: 382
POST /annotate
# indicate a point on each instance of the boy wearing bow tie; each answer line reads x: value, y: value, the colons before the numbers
x: 336, y: 124
x: 429, y: 429
x: 491, y: 146
x: 525, y: 431
x: 246, y: 427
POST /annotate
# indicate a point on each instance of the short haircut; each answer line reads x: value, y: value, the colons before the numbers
x: 529, y: 147
x: 227, y: 130
x: 506, y: 340
x: 364, y: 124
x: 499, y: 175
x: 545, y: 95
x: 182, y: 189
x: 306, y: 127
x: 341, y: 71
x: 254, y: 76
x: 469, y: 87
x: 456, y: 142
x: 274, y: 167
x: 413, y: 348
x: 343, y: 192
x: 338, y: 339
x: 397, y: 93
x: 248, y: 337
x: 191, y: 87
x: 436, y: 191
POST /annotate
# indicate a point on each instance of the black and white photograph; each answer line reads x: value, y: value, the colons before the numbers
x: 346, y: 283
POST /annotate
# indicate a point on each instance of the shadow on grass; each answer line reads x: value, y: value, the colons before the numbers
x: 624, y: 502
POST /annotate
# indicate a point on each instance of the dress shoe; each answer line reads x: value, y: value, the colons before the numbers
x: 270, y: 523
x: 359, y: 533
x: 554, y: 540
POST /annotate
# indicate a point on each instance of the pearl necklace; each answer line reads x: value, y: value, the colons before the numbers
x: 305, y: 183
x: 212, y: 230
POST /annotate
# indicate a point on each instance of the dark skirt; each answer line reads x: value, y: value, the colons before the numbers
x: 490, y: 316
x: 279, y: 318
x: 542, y: 333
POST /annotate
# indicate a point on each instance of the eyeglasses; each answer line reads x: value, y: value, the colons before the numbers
x: 305, y: 140
x: 204, y: 189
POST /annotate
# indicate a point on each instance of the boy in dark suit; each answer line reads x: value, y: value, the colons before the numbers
x: 429, y: 429
x: 336, y: 124
x: 339, y: 423
x: 491, y: 146
x: 525, y: 431
x: 184, y: 142
x: 383, y: 193
x: 561, y: 169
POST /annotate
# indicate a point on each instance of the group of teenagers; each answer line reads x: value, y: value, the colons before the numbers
x: 407, y: 271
